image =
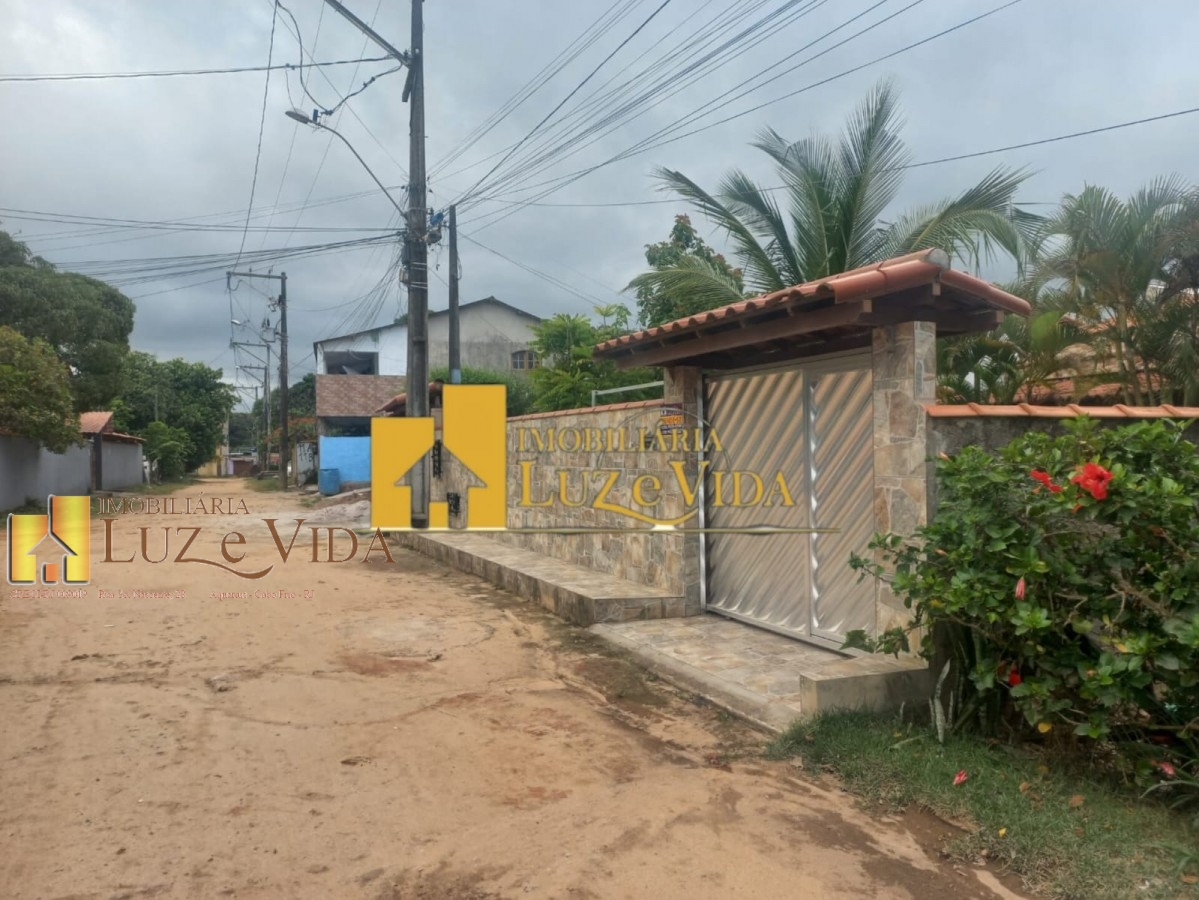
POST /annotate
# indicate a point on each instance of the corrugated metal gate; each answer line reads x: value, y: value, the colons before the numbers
x: 813, y: 424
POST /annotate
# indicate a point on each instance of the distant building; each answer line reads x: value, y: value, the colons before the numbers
x: 493, y: 335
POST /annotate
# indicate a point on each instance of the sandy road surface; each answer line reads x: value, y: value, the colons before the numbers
x: 405, y: 732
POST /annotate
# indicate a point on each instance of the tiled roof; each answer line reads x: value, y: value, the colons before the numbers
x: 1073, y: 410
x: 398, y: 404
x: 887, y: 277
x: 95, y: 422
x: 354, y: 396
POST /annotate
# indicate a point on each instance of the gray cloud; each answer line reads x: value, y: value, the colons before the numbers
x: 174, y: 148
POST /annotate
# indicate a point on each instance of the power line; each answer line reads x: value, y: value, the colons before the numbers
x: 617, y: 111
x: 175, y: 73
x: 566, y: 99
x: 108, y: 223
x: 650, y: 143
x: 556, y: 282
x: 916, y: 165
x: 266, y: 90
x: 534, y: 84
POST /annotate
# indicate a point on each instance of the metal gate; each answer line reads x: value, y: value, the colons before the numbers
x: 814, y: 425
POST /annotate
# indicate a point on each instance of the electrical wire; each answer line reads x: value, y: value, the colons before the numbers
x: 554, y: 185
x: 174, y: 73
x: 534, y: 84
x: 556, y: 282
x: 266, y: 90
x: 618, y: 108
x: 528, y: 168
x: 566, y: 99
x: 916, y: 165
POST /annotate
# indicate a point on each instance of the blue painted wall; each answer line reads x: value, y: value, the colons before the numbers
x: 351, y: 456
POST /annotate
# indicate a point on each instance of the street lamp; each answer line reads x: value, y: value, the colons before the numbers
x: 311, y: 120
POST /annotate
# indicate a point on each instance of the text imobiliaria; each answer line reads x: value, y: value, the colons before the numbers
x: 327, y: 543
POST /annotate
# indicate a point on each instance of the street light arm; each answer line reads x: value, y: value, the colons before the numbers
x: 403, y: 212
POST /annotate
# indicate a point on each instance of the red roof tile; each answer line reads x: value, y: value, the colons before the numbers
x: 887, y: 277
x: 354, y: 396
x: 1070, y: 411
x: 97, y: 422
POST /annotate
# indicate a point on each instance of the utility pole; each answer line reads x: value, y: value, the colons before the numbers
x: 281, y: 303
x: 418, y: 255
x: 455, y: 336
x: 415, y: 239
x: 284, y: 446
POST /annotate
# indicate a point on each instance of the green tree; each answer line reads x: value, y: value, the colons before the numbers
x: 1121, y: 267
x: 167, y: 446
x: 835, y: 196
x: 519, y: 391
x: 35, y: 393
x: 568, y: 373
x: 661, y: 297
x: 183, y: 395
x: 85, y: 321
x: 1009, y: 363
x: 243, y: 429
x: 301, y: 400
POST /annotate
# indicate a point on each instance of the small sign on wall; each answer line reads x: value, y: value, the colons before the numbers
x: 671, y: 420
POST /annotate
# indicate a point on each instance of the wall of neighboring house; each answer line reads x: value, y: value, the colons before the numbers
x: 120, y: 465
x: 351, y: 456
x: 29, y: 472
x: 389, y: 343
x: 489, y: 333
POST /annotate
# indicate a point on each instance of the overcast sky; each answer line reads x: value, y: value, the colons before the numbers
x: 185, y: 147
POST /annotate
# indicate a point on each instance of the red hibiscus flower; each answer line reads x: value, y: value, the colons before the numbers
x: 960, y: 778
x: 1020, y: 588
x: 1009, y: 673
x: 1094, y: 479
x: 1043, y: 477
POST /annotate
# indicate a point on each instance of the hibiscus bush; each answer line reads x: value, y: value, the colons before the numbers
x: 1066, y: 572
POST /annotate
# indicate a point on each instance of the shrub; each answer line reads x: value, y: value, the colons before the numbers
x: 1068, y: 568
x: 519, y: 393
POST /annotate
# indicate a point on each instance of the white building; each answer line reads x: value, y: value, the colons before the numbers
x: 358, y: 373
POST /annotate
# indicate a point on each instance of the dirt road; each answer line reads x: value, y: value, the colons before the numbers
x: 385, y: 730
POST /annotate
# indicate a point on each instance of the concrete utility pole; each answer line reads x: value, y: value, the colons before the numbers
x: 281, y: 303
x: 455, y: 336
x: 418, y: 256
x: 284, y: 445
x: 415, y: 239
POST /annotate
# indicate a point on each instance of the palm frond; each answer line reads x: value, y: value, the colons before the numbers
x: 760, y: 272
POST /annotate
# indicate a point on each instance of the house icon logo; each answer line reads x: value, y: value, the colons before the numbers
x: 474, y: 432
x: 67, y: 525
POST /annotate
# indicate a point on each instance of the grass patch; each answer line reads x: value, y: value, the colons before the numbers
x: 164, y: 487
x: 1067, y: 836
x: 262, y: 485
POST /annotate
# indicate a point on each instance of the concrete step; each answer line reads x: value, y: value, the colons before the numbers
x: 580, y: 596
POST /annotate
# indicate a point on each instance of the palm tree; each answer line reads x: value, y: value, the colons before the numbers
x: 836, y: 194
x: 1119, y: 264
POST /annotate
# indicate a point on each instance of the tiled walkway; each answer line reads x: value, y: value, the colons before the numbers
x: 733, y: 654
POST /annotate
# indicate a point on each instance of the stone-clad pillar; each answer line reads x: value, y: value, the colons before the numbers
x: 905, y: 378
x: 682, y: 387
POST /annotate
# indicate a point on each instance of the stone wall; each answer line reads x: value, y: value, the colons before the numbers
x: 904, y: 361
x: 559, y: 488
